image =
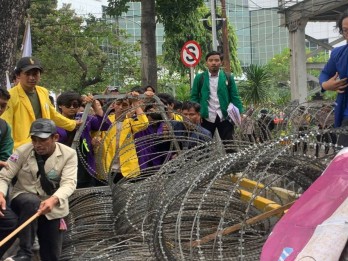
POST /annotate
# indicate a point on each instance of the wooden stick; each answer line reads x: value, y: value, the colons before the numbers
x: 18, y: 229
x: 231, y: 229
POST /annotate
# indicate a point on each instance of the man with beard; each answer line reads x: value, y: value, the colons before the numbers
x: 46, y: 173
x: 214, y: 90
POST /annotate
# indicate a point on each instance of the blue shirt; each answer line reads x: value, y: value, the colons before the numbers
x: 338, y: 62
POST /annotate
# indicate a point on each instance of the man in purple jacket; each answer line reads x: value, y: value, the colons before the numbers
x: 69, y: 104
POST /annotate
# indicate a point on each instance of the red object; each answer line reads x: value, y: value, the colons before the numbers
x: 191, y: 54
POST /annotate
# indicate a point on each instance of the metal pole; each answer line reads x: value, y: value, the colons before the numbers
x: 192, y: 75
x: 213, y: 24
x: 226, y: 49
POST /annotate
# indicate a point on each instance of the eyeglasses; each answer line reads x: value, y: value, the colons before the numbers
x: 75, y: 105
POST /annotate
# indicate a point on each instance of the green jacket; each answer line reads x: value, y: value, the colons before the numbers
x: 6, y: 143
x: 200, y: 94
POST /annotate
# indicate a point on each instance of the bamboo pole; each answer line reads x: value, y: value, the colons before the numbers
x: 238, y: 226
x: 18, y: 229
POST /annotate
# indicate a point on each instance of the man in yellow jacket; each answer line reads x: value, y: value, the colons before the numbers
x: 29, y: 102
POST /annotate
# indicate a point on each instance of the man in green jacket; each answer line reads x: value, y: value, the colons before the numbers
x: 214, y: 90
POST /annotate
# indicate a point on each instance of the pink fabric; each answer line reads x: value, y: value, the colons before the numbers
x: 62, y: 225
x: 316, y: 204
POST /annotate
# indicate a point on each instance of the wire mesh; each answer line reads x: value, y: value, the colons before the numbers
x: 188, y: 207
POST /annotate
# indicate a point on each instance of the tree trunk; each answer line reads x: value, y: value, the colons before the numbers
x: 12, y: 13
x: 148, y: 44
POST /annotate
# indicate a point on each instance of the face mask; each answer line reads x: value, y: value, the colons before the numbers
x: 155, y: 116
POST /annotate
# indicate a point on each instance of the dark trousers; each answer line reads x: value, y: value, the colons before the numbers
x: 50, y: 237
x: 8, y: 223
x: 302, y: 144
x: 225, y: 129
x: 343, y: 138
x: 84, y: 179
x: 117, y: 176
x: 326, y: 137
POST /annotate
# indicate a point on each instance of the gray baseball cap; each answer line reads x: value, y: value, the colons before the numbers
x: 43, y: 128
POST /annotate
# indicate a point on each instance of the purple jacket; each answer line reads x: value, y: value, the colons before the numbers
x: 93, y: 123
x: 151, y: 150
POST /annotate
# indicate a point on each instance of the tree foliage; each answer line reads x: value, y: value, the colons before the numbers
x: 254, y: 90
x: 117, y: 7
x: 192, y: 29
x: 174, y: 14
x: 76, y: 52
x: 171, y: 13
x: 279, y: 68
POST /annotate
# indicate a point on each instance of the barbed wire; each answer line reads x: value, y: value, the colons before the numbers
x: 204, y: 203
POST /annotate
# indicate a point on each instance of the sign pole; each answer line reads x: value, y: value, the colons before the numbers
x: 213, y: 24
x: 190, y: 55
x: 192, y: 75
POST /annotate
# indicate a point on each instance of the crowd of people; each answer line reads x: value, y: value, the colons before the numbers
x: 121, y: 137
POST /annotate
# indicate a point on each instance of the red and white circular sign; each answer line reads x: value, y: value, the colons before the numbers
x: 191, y: 54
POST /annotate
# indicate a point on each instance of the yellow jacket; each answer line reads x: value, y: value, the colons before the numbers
x: 20, y: 114
x: 127, y: 153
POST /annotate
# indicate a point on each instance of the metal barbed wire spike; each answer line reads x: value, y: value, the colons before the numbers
x: 200, y: 202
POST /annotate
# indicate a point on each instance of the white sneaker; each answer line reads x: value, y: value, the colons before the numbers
x: 36, y: 246
x: 18, y: 258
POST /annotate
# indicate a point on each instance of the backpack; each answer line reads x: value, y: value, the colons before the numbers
x: 201, y: 80
x: 3, y: 129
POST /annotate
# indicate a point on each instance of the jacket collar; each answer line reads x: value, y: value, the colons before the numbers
x: 50, y: 162
x: 25, y: 100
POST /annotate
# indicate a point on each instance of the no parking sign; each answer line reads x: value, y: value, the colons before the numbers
x: 191, y: 54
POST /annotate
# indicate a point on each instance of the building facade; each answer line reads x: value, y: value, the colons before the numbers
x: 257, y: 23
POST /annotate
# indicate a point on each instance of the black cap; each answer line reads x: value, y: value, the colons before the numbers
x: 43, y: 128
x: 264, y: 111
x: 113, y: 89
x: 27, y: 63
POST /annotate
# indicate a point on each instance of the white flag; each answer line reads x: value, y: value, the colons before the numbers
x: 8, y: 83
x: 27, y: 47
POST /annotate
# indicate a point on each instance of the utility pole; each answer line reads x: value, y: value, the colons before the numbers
x: 226, y: 47
x: 213, y: 24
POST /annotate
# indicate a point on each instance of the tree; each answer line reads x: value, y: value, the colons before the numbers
x: 192, y: 29
x: 279, y: 68
x: 148, y: 44
x: 12, y: 15
x: 254, y: 90
x: 170, y: 13
x: 76, y: 51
